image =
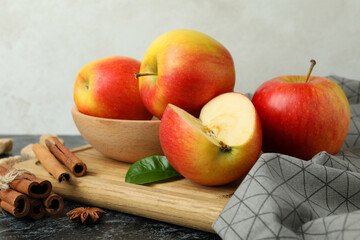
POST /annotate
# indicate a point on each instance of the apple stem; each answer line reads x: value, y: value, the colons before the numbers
x: 137, y: 75
x: 224, y: 147
x: 313, y: 62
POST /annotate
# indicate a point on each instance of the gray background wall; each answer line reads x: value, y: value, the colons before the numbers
x: 43, y: 45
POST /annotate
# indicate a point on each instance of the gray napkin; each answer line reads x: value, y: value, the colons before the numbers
x: 283, y: 197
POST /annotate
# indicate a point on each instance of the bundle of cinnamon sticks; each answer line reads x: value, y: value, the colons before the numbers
x: 27, y: 195
x: 54, y: 153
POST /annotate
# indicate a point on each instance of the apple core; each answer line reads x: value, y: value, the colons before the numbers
x: 230, y: 123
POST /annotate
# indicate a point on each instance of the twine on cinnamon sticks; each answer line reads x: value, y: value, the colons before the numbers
x: 22, y: 193
x: 28, y: 184
x: 10, y: 176
x: 12, y: 201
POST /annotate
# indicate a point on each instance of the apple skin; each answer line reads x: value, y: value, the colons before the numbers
x: 107, y: 88
x: 198, y: 159
x: 301, y: 118
x: 191, y: 67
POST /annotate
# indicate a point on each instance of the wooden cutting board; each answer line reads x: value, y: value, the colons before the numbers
x: 178, y: 201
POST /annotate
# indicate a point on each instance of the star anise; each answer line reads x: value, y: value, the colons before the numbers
x: 86, y: 215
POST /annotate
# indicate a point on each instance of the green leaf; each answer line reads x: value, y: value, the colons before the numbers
x: 150, y: 169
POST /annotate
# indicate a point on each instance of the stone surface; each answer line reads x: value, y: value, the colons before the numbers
x: 114, y: 225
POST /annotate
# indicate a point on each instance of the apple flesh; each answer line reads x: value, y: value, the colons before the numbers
x: 301, y: 118
x: 220, y: 146
x: 107, y: 88
x: 185, y: 68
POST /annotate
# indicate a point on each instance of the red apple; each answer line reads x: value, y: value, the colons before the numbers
x: 107, y: 88
x: 219, y: 147
x: 301, y: 116
x: 185, y: 68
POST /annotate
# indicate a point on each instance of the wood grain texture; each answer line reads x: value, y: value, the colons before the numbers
x: 178, y: 201
x: 123, y: 140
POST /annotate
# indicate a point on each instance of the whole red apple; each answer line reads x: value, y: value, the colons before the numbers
x: 301, y: 116
x: 185, y: 68
x: 107, y: 88
x: 219, y: 147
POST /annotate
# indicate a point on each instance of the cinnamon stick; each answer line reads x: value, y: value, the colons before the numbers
x: 48, y: 136
x: 72, y: 162
x: 37, y: 210
x: 28, y: 184
x: 50, y: 163
x: 54, y: 204
x: 14, y: 202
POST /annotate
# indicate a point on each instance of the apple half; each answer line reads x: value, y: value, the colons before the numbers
x: 220, y: 146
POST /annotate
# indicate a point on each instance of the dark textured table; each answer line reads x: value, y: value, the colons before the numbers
x: 114, y: 225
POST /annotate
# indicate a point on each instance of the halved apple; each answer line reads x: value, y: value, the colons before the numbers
x: 220, y: 146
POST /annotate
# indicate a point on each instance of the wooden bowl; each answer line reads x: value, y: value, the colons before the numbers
x: 123, y: 140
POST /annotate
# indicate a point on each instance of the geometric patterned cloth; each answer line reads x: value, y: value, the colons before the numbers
x: 283, y: 197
